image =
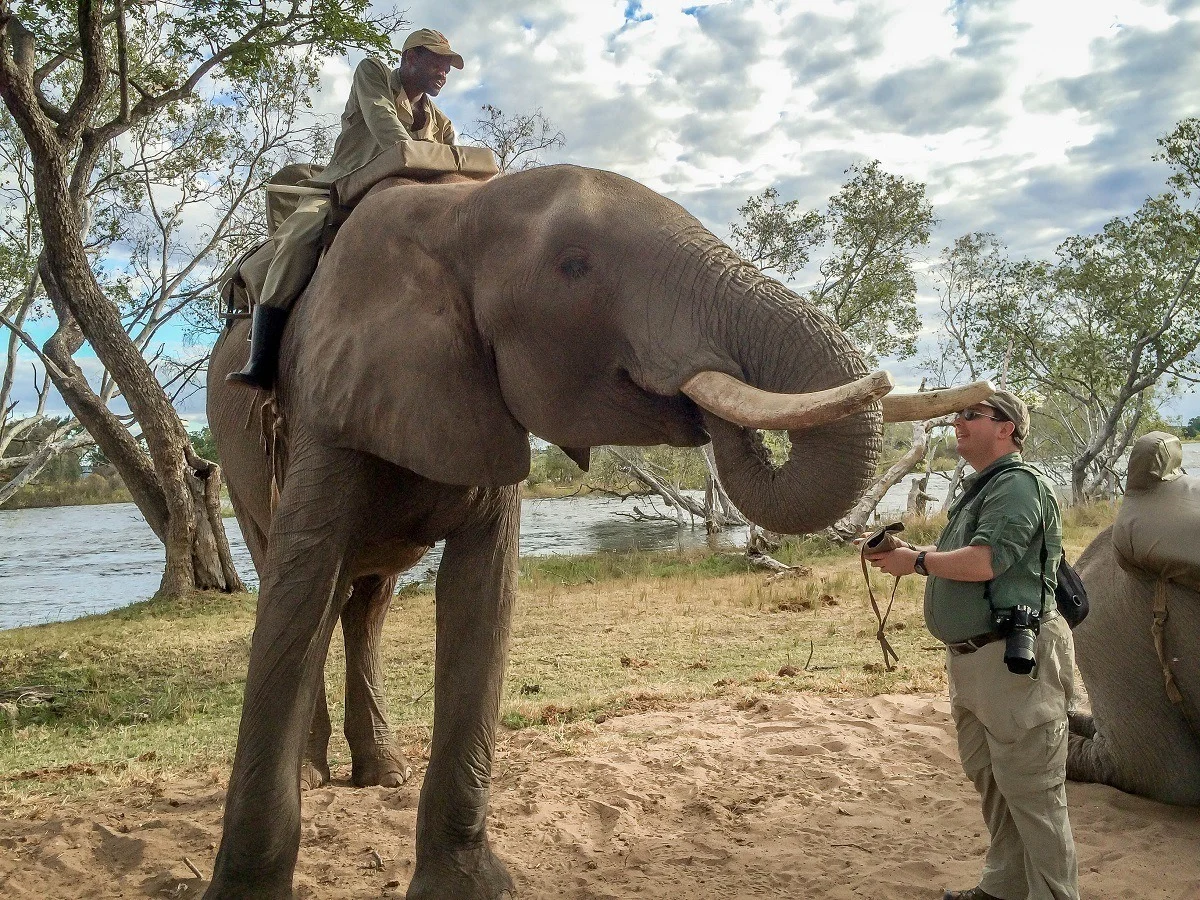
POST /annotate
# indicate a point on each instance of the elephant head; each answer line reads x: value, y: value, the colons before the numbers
x: 586, y: 309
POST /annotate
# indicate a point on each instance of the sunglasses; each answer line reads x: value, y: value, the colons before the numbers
x: 970, y: 415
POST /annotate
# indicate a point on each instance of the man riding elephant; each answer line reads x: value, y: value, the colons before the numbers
x: 385, y: 107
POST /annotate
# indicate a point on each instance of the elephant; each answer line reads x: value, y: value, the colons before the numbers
x: 1139, y: 738
x: 446, y: 323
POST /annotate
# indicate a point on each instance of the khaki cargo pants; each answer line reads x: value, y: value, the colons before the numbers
x: 1012, y: 740
x: 296, y: 252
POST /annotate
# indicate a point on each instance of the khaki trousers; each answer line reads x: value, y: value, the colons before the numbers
x: 297, y: 250
x: 1012, y: 740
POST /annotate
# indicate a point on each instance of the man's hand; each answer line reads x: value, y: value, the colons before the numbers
x: 895, y: 562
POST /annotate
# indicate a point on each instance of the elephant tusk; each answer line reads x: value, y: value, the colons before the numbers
x: 739, y: 403
x: 932, y: 404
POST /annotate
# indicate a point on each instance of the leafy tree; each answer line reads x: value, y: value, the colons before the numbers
x: 868, y: 237
x: 1110, y: 327
x: 80, y: 79
x: 1192, y: 428
x: 777, y: 236
x: 965, y: 274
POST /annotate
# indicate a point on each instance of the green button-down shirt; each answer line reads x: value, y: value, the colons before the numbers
x: 378, y: 115
x: 1006, y: 516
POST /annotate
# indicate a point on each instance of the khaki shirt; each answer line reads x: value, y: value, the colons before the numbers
x: 1007, y: 517
x: 378, y: 115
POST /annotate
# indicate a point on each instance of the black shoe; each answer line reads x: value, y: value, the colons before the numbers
x: 266, y: 333
x: 975, y: 893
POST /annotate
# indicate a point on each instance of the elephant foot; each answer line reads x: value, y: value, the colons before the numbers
x: 242, y: 892
x: 313, y: 775
x: 472, y: 874
x: 231, y: 887
x: 384, y: 765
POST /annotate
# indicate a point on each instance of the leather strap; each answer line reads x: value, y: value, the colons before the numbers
x: 889, y: 652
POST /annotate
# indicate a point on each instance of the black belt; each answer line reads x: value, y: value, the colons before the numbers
x: 970, y: 645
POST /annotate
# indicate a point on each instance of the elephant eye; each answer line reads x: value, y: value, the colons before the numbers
x: 574, y: 265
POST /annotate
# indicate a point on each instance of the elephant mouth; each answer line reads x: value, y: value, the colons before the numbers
x: 678, y: 420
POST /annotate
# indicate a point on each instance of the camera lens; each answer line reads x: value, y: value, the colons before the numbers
x: 1019, y: 650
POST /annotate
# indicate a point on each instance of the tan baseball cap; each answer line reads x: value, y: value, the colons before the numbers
x: 1012, y: 408
x: 435, y: 41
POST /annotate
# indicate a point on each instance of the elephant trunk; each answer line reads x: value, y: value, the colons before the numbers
x: 779, y: 343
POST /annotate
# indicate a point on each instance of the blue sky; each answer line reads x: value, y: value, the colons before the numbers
x: 1029, y: 119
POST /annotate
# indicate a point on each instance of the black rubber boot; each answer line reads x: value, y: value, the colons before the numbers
x: 266, y: 333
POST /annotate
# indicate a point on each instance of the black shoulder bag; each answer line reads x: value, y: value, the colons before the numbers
x: 1069, y: 593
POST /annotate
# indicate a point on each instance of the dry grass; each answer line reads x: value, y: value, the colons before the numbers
x: 153, y: 691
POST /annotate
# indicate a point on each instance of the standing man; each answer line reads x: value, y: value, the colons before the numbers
x: 385, y: 108
x: 1000, y: 551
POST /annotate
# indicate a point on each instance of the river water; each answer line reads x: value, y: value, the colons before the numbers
x: 71, y: 561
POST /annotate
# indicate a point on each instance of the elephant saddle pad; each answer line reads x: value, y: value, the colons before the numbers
x: 1157, y: 529
x: 413, y: 159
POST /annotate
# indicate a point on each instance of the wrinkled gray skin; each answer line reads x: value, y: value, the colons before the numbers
x: 447, y: 322
x: 376, y: 759
x: 1136, y: 739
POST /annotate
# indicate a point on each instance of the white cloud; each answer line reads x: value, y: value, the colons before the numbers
x: 1031, y: 119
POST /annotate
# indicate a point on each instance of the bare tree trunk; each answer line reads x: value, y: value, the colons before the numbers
x: 919, y: 497
x: 719, y: 510
x: 955, y: 480
x: 674, y: 497
x: 196, y: 557
x: 854, y: 522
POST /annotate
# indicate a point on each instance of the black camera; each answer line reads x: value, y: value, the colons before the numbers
x: 1020, y: 627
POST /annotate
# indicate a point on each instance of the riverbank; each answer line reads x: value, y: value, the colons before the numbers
x: 152, y: 691
x: 90, y: 490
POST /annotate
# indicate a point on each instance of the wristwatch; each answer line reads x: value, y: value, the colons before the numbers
x: 919, y: 564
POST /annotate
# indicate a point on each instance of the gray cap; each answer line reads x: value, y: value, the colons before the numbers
x: 1012, y: 408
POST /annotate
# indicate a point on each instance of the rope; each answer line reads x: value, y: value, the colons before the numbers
x: 1159, y: 631
x: 275, y: 444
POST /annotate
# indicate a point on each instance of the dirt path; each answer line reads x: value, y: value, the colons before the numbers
x: 795, y: 796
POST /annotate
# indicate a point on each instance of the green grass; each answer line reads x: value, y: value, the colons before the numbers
x: 154, y: 690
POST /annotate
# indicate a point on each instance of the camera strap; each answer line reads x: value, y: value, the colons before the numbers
x: 976, y: 489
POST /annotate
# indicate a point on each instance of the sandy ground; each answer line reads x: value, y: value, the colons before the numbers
x: 793, y: 796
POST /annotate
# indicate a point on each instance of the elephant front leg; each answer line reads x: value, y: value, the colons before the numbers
x: 1089, y: 759
x: 476, y: 586
x: 376, y: 758
x: 298, y: 606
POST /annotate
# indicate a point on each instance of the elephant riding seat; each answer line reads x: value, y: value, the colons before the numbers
x: 445, y: 324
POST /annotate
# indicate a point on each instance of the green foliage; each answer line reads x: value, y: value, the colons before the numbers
x: 869, y: 235
x: 204, y: 444
x: 1192, y: 428
x: 774, y: 235
x: 242, y: 37
x: 550, y: 465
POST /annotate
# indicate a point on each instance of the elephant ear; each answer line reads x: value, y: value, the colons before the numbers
x: 387, y: 352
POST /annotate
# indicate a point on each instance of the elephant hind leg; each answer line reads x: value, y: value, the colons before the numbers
x: 376, y: 759
x: 314, y: 767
